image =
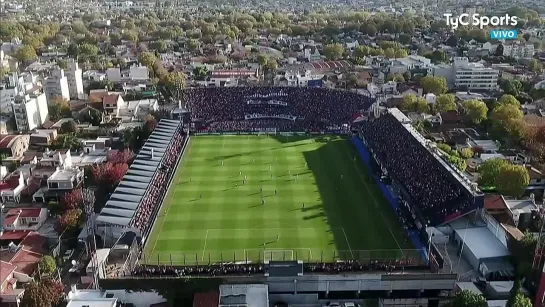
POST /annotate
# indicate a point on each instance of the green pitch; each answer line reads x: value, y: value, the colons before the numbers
x: 237, y: 198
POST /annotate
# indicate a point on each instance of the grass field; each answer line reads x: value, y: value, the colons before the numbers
x: 222, y: 205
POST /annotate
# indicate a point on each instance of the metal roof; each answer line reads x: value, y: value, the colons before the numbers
x: 124, y: 201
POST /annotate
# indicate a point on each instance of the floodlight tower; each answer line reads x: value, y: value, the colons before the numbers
x: 540, y: 247
x: 91, y: 243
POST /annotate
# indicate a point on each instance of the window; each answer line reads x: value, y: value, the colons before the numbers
x: 53, y: 185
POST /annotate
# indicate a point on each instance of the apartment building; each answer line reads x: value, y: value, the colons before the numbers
x: 14, y: 145
x: 30, y: 111
x: 474, y: 76
x: 17, y: 84
x: 518, y: 50
x: 56, y: 85
x: 74, y: 75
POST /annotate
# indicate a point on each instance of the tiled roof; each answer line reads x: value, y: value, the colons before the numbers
x: 124, y: 201
x: 6, y: 269
x: 6, y: 140
x: 494, y: 202
x: 26, y: 261
x: 25, y: 212
x: 110, y: 99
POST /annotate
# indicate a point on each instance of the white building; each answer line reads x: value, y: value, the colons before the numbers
x: 74, y: 75
x: 474, y: 76
x: 30, y: 111
x: 16, y: 85
x: 519, y: 51
x: 56, y: 85
x: 135, y: 72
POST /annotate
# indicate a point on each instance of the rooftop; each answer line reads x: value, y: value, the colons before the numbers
x: 26, y: 261
x: 64, y: 174
x: 249, y: 295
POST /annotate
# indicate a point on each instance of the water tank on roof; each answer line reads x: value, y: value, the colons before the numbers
x: 516, y: 215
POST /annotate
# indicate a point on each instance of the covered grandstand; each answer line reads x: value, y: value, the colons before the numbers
x: 121, y: 212
x: 416, y: 173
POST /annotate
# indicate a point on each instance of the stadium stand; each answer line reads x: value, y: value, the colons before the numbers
x: 135, y: 203
x: 434, y: 191
x: 256, y: 268
x: 284, y: 109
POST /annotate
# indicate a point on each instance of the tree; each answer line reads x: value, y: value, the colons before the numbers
x: 108, y: 175
x: 120, y: 156
x: 446, y: 102
x: 67, y: 141
x: 522, y: 301
x: 147, y: 59
x: 174, y: 82
x: 25, y: 53
x: 467, y: 153
x: 511, y: 87
x: 389, y: 53
x: 333, y: 51
x: 77, y: 199
x: 94, y: 117
x: 489, y: 170
x: 535, y: 65
x: 509, y: 99
x: 88, y: 49
x: 476, y: 110
x: 47, y: 265
x: 467, y: 298
x: 47, y: 293
x: 436, y: 85
x: 412, y: 103
x: 505, y: 117
x: 68, y: 127
x: 512, y: 180
x: 200, y: 72
x: 68, y: 220
x: 58, y: 108
x: 262, y: 59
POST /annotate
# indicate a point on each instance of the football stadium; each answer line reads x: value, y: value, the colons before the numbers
x: 319, y: 180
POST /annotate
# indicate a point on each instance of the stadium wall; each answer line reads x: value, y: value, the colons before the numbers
x: 393, y: 199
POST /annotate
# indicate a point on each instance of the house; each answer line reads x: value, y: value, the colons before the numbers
x: 14, y: 145
x: 137, y: 109
x: 65, y: 179
x: 110, y: 102
x: 25, y: 218
x: 43, y: 137
x: 8, y: 285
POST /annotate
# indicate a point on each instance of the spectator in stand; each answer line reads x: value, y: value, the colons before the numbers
x: 314, y: 109
x: 433, y: 191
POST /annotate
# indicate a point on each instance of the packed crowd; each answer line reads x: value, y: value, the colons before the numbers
x: 256, y: 268
x: 316, y: 109
x: 151, y: 201
x: 431, y: 190
x: 357, y: 266
x: 213, y: 270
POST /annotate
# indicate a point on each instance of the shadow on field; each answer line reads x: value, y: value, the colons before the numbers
x: 347, y: 206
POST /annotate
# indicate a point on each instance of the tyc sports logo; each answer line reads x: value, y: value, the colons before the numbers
x: 482, y: 22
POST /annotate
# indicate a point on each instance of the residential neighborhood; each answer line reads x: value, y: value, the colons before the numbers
x: 91, y: 94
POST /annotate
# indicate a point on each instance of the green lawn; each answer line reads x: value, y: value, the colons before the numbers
x: 344, y: 214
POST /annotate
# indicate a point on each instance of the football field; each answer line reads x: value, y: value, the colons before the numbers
x: 255, y: 198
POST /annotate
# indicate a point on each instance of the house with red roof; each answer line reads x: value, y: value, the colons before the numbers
x: 19, y: 185
x: 8, y: 283
x: 25, y: 218
x: 18, y: 263
x: 14, y: 145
